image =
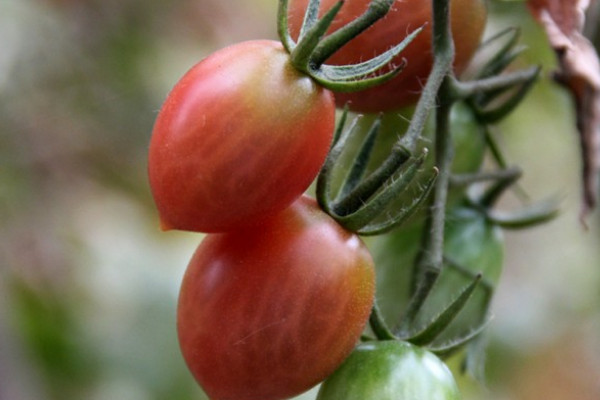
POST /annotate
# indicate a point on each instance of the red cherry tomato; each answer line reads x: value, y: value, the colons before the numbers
x: 467, y: 25
x: 240, y: 136
x: 268, y: 312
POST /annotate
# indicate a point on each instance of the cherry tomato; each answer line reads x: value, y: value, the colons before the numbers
x: 240, y: 136
x: 467, y: 24
x: 390, y: 370
x: 268, y: 312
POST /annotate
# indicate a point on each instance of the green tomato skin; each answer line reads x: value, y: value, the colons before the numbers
x: 390, y: 370
x: 468, y: 138
x: 475, y: 243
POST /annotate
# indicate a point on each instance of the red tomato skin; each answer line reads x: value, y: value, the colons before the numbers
x: 240, y: 136
x: 267, y: 313
x: 467, y: 22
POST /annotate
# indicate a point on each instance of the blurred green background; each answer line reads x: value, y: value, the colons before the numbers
x: 88, y: 283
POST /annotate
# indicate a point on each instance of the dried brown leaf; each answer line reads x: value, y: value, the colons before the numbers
x: 579, y: 72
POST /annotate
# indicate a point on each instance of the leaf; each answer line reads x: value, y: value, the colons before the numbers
x: 579, y: 72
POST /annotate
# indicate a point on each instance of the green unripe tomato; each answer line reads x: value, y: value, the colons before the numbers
x: 474, y: 242
x: 390, y: 370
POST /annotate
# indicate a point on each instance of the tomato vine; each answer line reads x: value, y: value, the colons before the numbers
x: 300, y: 267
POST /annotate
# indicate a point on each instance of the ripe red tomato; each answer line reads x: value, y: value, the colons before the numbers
x: 240, y: 136
x: 268, y: 312
x: 467, y: 24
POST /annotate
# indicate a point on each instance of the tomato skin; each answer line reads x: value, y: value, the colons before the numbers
x: 240, y: 136
x: 467, y: 22
x: 390, y: 370
x: 267, y: 313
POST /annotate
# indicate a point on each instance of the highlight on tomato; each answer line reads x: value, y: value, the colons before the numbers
x: 240, y: 137
x: 467, y: 22
x: 268, y: 312
x: 390, y: 370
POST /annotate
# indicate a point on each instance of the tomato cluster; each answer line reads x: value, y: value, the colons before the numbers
x: 278, y: 293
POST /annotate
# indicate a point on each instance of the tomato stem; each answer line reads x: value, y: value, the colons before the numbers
x: 378, y: 325
x: 437, y: 91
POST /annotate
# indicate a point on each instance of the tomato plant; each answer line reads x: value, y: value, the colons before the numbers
x: 390, y: 370
x: 268, y: 312
x: 467, y: 24
x: 240, y: 136
x: 472, y: 245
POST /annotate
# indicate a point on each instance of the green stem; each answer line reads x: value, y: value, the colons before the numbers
x: 430, y: 260
x: 443, y: 49
x: 378, y: 325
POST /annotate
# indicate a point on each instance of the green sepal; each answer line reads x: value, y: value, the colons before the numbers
x: 374, y: 205
x: 441, y: 322
x: 371, y: 184
x: 534, y: 214
x: 342, y: 137
x: 282, y: 26
x: 507, y: 106
x: 448, y: 348
x: 361, y: 199
x: 302, y: 54
x: 358, y: 168
x: 505, y: 55
x: 314, y: 47
x: 377, y: 9
x: 310, y: 17
x: 405, y: 213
